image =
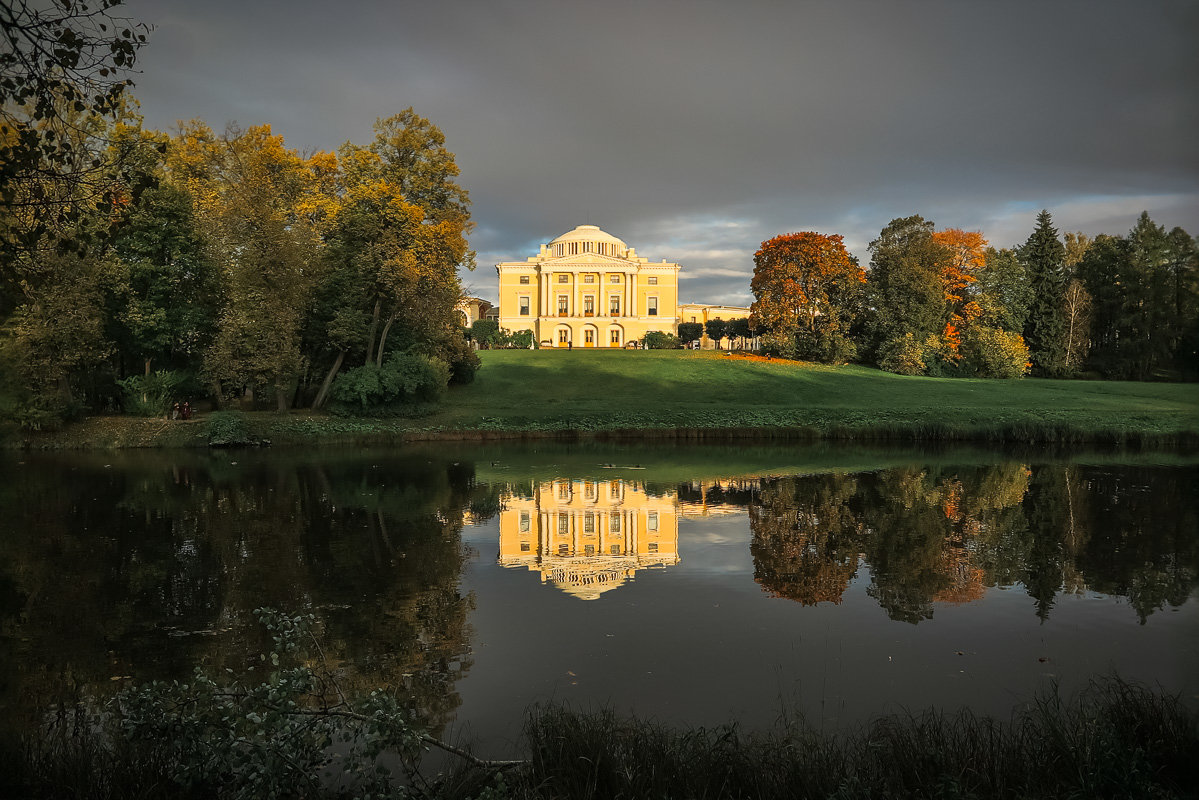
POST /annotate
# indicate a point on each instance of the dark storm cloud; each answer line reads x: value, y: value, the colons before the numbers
x: 695, y: 130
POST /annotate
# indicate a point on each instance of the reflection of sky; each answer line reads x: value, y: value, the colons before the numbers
x: 700, y: 642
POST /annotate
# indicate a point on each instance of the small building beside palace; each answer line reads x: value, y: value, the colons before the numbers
x: 588, y: 289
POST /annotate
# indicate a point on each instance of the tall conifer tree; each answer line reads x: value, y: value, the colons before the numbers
x: 1044, y: 256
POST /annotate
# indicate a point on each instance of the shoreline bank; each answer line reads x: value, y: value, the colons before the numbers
x: 302, y: 429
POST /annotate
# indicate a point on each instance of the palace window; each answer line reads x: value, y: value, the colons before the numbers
x: 614, y: 549
x: 563, y: 278
x: 563, y: 488
x: 589, y: 549
x: 652, y: 280
x: 562, y: 337
x: 589, y: 304
x: 563, y: 549
x: 614, y: 305
x: 652, y: 521
x: 614, y: 336
x: 563, y: 523
x: 524, y: 306
x: 588, y: 279
x: 614, y: 279
x: 524, y: 547
x: 574, y: 248
x: 589, y: 336
x: 589, y: 523
x: 562, y: 307
x: 652, y: 310
x: 653, y: 547
x: 524, y: 522
x: 614, y: 523
x: 524, y: 278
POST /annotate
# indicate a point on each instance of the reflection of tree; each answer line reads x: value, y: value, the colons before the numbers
x: 162, y: 573
x: 806, y: 537
x: 939, y: 535
x: 928, y: 535
x: 1147, y: 548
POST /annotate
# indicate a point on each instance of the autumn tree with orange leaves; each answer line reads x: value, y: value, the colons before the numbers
x: 807, y: 290
x: 967, y: 255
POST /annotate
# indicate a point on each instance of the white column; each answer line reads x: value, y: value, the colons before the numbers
x: 543, y: 286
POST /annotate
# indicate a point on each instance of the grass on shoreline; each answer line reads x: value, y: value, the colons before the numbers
x: 710, y: 395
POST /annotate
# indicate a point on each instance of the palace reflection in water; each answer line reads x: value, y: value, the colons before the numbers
x: 589, y: 536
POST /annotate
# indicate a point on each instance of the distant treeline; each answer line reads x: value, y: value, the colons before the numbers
x: 945, y: 303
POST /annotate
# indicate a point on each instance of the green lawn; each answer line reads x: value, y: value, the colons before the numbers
x: 550, y: 390
x: 688, y: 394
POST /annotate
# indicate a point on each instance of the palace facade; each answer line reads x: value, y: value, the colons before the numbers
x: 588, y: 289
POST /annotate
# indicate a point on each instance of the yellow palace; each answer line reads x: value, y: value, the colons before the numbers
x: 588, y: 289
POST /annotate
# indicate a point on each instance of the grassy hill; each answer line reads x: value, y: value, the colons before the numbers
x: 707, y: 395
x: 604, y: 390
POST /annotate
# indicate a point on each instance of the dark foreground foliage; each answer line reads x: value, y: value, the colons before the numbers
x: 1113, y: 740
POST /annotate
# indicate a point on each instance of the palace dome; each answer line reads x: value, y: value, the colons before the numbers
x: 588, y: 233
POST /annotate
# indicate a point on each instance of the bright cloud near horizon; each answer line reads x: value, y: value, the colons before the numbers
x: 696, y: 130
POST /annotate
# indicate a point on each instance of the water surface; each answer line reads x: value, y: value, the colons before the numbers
x: 692, y: 585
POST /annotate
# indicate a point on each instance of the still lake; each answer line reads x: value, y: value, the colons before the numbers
x: 688, y: 584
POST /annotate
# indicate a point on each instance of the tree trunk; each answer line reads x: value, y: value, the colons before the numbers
x: 370, y: 337
x: 281, y: 403
x: 145, y: 395
x: 383, y: 340
x: 323, y: 395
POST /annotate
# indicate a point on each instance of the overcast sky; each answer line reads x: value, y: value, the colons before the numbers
x: 695, y: 130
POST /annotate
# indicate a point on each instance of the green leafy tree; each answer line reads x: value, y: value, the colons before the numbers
x: 396, y: 243
x: 1002, y: 291
x: 903, y: 285
x: 486, y: 333
x: 1143, y: 301
x: 660, y: 340
x: 1184, y: 289
x: 1151, y: 301
x: 742, y: 329
x: 56, y: 338
x: 690, y: 332
x: 258, y: 202
x: 717, y: 330
x: 1043, y: 256
x: 163, y: 286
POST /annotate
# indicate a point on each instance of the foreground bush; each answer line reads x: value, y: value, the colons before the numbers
x: 404, y: 379
x: 994, y: 353
x: 1112, y: 740
x: 657, y: 340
